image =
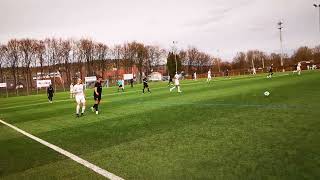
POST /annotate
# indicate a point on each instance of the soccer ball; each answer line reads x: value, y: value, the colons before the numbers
x: 266, y: 93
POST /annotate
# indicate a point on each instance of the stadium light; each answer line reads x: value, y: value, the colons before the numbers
x: 175, y: 54
x: 281, y: 47
x: 318, y: 6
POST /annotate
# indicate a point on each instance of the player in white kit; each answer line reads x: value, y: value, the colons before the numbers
x: 254, y: 72
x: 299, y: 68
x: 78, y: 90
x: 209, y: 76
x: 176, y: 83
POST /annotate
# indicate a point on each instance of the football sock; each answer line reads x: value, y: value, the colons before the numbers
x: 83, y: 108
x: 78, y: 109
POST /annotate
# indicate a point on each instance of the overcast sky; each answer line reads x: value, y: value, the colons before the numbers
x: 222, y: 27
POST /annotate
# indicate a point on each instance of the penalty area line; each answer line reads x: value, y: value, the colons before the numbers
x: 75, y: 158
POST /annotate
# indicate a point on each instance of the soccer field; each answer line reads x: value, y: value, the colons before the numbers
x: 223, y: 130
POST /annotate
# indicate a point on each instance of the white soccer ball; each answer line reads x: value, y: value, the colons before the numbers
x: 267, y: 93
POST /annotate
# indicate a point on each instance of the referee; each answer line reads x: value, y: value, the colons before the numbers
x: 97, y: 95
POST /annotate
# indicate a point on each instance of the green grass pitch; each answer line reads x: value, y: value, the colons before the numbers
x: 223, y: 130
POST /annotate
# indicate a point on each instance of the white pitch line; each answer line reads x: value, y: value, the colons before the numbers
x: 79, y: 160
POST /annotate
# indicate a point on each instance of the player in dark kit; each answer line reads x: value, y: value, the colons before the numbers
x: 226, y: 73
x: 145, y: 85
x: 50, y: 92
x: 270, y: 71
x: 131, y: 82
x: 97, y: 95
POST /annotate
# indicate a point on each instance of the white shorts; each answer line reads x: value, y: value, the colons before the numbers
x: 298, y: 69
x: 209, y: 77
x: 80, y: 99
x: 176, y: 82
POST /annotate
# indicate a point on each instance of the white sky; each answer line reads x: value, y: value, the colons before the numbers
x: 218, y: 27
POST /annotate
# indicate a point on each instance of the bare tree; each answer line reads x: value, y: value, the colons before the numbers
x: 316, y: 54
x: 154, y: 57
x: 128, y: 57
x: 203, y: 61
x: 77, y: 57
x: 101, y: 53
x: 3, y: 59
x: 239, y: 61
x: 27, y: 50
x: 193, y: 56
x: 141, y: 56
x: 13, y: 52
x: 86, y: 49
x: 302, y: 54
x: 117, y: 57
x: 65, y: 51
x: 40, y: 52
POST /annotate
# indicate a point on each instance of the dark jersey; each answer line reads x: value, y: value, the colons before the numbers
x: 145, y: 81
x: 99, y: 88
x: 50, y: 90
x: 271, y: 69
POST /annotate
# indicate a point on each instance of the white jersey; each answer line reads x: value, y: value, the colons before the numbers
x: 209, y: 74
x: 176, y: 80
x: 299, y: 67
x: 78, y: 90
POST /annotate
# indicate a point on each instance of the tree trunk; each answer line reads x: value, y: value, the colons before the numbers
x: 30, y: 79
x: 25, y: 75
x: 1, y: 73
x: 13, y: 71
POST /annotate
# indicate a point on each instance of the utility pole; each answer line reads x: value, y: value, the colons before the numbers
x: 281, y: 47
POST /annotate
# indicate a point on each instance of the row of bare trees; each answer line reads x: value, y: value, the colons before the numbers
x: 259, y: 59
x: 84, y: 57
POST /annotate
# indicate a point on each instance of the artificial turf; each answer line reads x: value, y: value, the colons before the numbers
x: 226, y: 129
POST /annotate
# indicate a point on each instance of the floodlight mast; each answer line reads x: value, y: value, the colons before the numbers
x: 281, y: 46
x: 318, y: 6
x: 175, y: 54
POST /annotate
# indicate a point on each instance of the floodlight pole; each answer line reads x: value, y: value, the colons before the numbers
x: 175, y: 54
x: 318, y: 6
x: 281, y: 47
